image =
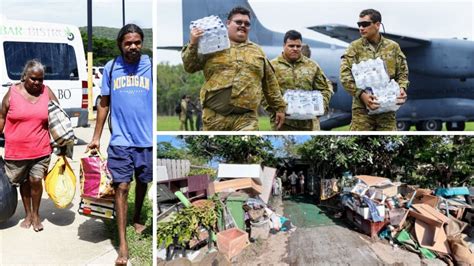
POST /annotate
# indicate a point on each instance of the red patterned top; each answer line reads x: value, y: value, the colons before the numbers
x: 26, y: 127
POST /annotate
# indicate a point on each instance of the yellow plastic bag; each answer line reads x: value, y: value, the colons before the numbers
x: 60, y: 183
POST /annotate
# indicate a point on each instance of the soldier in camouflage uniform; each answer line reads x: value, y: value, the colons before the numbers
x: 370, y: 46
x: 306, y: 50
x: 235, y: 78
x: 295, y: 71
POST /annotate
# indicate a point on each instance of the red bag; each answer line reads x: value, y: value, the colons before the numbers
x: 96, y: 180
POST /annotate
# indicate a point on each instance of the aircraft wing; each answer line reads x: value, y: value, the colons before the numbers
x: 349, y: 34
x: 175, y: 48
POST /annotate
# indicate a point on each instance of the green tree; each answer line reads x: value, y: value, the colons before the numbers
x: 172, y: 83
x: 289, y: 145
x: 333, y: 155
x: 232, y: 149
x: 380, y: 151
x: 449, y: 160
x: 428, y: 161
x: 166, y: 150
x: 370, y: 155
x: 105, y: 49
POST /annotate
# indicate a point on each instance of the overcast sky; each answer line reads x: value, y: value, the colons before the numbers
x: 417, y: 18
x: 105, y: 12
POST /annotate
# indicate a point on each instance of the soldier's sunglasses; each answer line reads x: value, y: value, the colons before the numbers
x: 241, y: 22
x: 364, y: 24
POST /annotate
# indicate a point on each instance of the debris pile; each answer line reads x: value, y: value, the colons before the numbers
x: 428, y: 222
x: 238, y: 199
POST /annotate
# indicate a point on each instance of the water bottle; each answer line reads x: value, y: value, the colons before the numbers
x: 215, y: 37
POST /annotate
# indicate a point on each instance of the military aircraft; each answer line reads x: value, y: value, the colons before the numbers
x: 441, y: 70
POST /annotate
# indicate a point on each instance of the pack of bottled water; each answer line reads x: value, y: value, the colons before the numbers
x: 303, y: 105
x: 372, y: 74
x: 215, y: 36
x: 387, y: 98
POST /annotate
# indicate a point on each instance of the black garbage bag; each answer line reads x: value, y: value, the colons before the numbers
x: 8, y: 195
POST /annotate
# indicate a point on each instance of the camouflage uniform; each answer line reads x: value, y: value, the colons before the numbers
x: 304, y: 74
x: 397, y: 68
x: 182, y: 115
x: 245, y: 71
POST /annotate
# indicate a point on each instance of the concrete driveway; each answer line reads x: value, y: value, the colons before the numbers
x: 68, y: 237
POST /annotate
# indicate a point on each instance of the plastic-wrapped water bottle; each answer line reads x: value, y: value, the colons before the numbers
x: 304, y: 105
x: 318, y: 103
x: 387, y: 98
x: 215, y: 37
x: 372, y: 74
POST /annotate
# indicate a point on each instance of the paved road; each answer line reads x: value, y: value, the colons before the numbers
x: 319, y: 242
x: 67, y: 238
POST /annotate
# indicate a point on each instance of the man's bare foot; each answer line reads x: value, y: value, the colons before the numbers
x: 139, y: 228
x: 122, y: 258
x: 37, y: 225
x: 26, y: 223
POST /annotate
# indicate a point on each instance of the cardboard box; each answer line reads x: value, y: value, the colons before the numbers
x: 388, y: 190
x: 231, y: 242
x: 365, y: 213
x: 374, y: 180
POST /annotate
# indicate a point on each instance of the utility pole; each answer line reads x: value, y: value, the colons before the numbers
x: 89, y: 61
x: 123, y: 13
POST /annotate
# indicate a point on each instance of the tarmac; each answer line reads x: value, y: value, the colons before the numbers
x: 68, y: 237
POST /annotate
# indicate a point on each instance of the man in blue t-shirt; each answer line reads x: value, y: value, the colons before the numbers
x: 127, y: 94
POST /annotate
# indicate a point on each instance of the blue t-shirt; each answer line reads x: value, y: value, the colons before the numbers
x: 131, y: 102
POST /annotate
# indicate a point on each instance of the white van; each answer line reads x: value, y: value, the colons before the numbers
x: 97, y: 73
x: 59, y: 47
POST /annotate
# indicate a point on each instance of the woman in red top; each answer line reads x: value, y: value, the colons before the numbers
x: 24, y: 121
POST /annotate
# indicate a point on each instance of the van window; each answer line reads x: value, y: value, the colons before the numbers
x: 59, y: 59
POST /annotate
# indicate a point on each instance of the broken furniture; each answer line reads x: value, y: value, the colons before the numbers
x: 366, y: 226
x: 192, y: 186
x: 258, y: 179
x: 247, y: 184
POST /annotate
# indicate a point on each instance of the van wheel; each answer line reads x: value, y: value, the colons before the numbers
x: 97, y: 102
x: 455, y: 126
x: 429, y: 125
x: 403, y: 125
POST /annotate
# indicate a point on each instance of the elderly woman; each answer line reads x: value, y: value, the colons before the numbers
x: 24, y: 121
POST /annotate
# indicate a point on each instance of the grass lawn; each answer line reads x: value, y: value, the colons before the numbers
x: 139, y: 246
x: 171, y: 123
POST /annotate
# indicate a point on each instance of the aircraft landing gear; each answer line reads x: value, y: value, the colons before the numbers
x: 429, y: 125
x: 455, y: 126
x: 403, y: 125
